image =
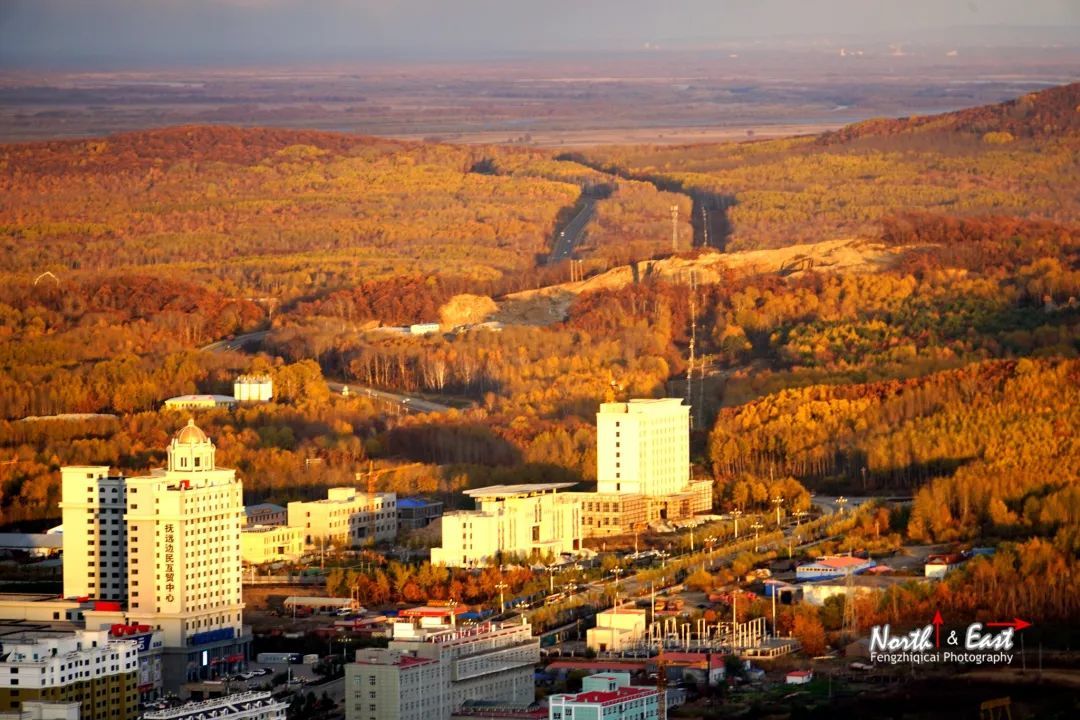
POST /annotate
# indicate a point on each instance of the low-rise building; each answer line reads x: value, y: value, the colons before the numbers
x: 253, y: 388
x: 938, y: 566
x: 241, y: 706
x: 617, y: 629
x: 606, y: 697
x: 265, y: 514
x: 832, y: 566
x: 532, y: 521
x: 200, y: 402
x: 433, y: 666
x: 417, y: 513
x: 271, y: 543
x: 798, y: 677
x: 347, y: 516
x: 606, y: 514
x: 816, y: 593
x: 84, y: 667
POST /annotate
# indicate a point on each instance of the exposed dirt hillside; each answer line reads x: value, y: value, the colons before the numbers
x: 550, y: 304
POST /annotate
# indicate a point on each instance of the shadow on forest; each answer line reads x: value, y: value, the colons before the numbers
x: 465, y: 443
x: 855, y: 478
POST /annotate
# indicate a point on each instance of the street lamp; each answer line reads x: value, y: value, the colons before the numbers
x: 617, y: 572
x: 778, y: 501
x: 501, y: 586
x: 735, y: 514
x: 756, y: 528
x: 551, y: 578
x: 841, y: 501
x: 708, y: 552
x: 799, y: 516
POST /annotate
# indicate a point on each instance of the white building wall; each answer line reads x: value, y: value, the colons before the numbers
x: 541, y: 524
x: 643, y: 447
x: 95, y: 533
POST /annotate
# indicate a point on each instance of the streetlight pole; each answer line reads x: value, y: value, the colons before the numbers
x: 778, y: 501
x: 501, y: 586
x: 756, y: 527
x: 735, y: 514
x: 617, y: 572
x: 841, y: 501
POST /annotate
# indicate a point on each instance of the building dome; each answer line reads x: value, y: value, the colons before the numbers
x: 190, y: 434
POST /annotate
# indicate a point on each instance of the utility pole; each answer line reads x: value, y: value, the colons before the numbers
x: 674, y: 229
x: 693, y: 344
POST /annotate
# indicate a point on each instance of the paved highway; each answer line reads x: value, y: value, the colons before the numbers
x: 570, y: 235
x: 408, y: 403
x: 405, y: 403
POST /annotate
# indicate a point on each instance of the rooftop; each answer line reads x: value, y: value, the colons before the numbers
x: 416, y: 502
x: 202, y: 398
x: 433, y: 611
x: 840, y: 562
x: 600, y: 697
x: 263, y: 507
x: 404, y: 660
x: 501, y: 491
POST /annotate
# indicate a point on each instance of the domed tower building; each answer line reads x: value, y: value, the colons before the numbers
x: 181, y: 530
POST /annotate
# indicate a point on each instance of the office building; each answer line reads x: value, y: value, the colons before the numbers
x: 83, y: 666
x: 432, y: 667
x: 347, y: 517
x: 643, y: 447
x: 606, y: 697
x: 530, y: 521
x: 168, y: 545
x: 262, y: 544
x: 240, y: 706
x: 642, y: 468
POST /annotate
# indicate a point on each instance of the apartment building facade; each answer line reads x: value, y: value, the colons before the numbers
x: 346, y: 516
x: 84, y: 667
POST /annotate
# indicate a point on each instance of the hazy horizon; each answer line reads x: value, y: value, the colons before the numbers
x: 141, y: 33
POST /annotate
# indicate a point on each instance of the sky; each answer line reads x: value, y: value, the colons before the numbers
x: 140, y: 33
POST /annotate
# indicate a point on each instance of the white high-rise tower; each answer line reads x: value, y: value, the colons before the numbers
x: 167, y: 544
x: 643, y: 447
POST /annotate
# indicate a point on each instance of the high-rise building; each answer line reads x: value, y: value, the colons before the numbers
x: 527, y: 520
x: 95, y: 533
x: 84, y: 666
x: 606, y: 697
x: 167, y: 544
x: 432, y: 667
x: 347, y: 516
x: 643, y: 447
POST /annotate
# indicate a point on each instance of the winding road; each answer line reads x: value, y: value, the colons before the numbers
x: 401, y: 403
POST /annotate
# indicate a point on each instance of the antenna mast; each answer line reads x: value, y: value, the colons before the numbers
x: 674, y: 229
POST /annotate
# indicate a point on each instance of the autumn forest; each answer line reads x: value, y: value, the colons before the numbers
x: 940, y: 360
